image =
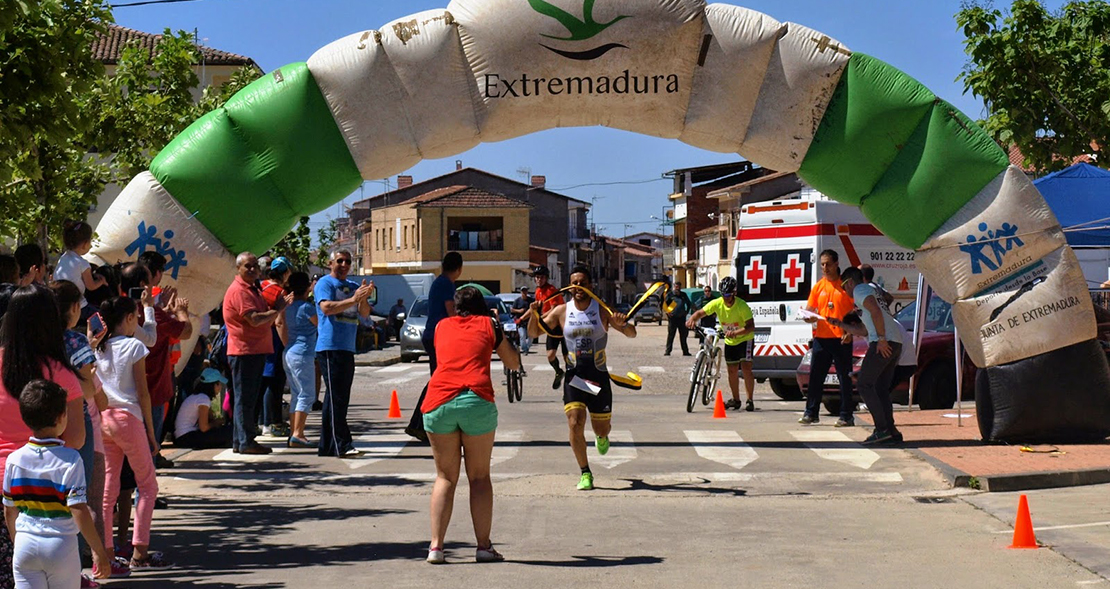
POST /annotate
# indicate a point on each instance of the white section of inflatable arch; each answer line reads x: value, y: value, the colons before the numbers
x: 401, y: 94
x: 145, y: 217
x: 1009, y: 204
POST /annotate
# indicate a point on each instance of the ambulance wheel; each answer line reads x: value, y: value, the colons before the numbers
x: 937, y: 386
x: 787, y: 390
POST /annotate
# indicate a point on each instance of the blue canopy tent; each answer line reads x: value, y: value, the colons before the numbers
x: 1080, y: 197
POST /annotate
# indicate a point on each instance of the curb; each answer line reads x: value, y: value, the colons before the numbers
x: 954, y: 476
x: 383, y: 362
x: 1004, y: 483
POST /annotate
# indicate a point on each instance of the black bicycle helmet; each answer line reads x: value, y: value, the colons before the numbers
x: 541, y: 271
x: 727, y: 285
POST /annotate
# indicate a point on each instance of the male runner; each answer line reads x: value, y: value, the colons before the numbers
x: 544, y: 292
x: 585, y: 328
x: 736, y: 320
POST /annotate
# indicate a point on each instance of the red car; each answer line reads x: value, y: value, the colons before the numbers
x: 935, y: 370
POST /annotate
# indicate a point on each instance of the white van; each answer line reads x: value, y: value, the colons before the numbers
x: 776, y: 264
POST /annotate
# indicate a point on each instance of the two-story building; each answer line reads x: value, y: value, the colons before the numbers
x: 490, y: 231
x: 555, y: 221
x: 695, y: 212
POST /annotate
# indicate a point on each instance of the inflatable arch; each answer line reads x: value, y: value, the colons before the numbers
x: 719, y: 77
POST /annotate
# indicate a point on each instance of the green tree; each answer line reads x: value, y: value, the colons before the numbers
x: 326, y: 237
x: 1044, y: 77
x: 296, y: 245
x: 46, y: 69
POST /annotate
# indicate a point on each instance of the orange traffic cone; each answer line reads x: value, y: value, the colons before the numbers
x: 394, y: 407
x: 719, y: 408
x: 1023, y: 527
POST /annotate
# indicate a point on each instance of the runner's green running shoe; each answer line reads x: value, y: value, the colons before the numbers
x: 586, y: 483
x: 602, y: 445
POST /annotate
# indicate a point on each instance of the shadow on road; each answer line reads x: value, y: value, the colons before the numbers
x: 642, y: 485
x: 593, y: 561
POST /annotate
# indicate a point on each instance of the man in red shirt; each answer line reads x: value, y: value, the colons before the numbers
x: 171, y: 315
x: 248, y: 319
x: 545, y: 293
x: 830, y: 344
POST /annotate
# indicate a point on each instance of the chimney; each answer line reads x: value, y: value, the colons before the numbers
x: 404, y: 182
x: 539, y: 181
x: 458, y: 165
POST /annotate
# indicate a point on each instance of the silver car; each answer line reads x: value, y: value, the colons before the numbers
x: 413, y: 330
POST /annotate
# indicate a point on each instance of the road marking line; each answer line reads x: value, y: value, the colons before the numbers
x: 652, y: 370
x: 395, y: 368
x: 496, y: 366
x: 506, y: 445
x: 229, y: 456
x: 857, y: 457
x: 377, y: 447
x: 399, y: 379
x: 726, y: 447
x: 1067, y: 527
x: 621, y: 448
x: 542, y: 368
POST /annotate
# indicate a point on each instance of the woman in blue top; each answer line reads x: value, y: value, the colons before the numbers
x: 298, y: 333
x: 884, y: 348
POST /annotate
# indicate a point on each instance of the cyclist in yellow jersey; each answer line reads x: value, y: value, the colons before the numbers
x: 585, y: 326
x: 735, y: 318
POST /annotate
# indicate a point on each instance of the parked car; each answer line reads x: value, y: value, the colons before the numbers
x: 411, y: 333
x: 935, y: 370
x: 651, y: 312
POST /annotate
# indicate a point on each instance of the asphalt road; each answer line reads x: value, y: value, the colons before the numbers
x: 682, y: 500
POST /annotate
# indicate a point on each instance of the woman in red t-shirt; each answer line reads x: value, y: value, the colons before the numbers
x: 460, y: 416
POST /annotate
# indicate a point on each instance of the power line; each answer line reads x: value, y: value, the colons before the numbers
x: 145, y: 2
x: 605, y: 183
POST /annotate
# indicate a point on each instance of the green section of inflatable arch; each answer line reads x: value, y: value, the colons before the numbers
x: 274, y: 153
x: 909, y: 159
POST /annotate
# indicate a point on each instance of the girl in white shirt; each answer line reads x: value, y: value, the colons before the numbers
x: 127, y: 423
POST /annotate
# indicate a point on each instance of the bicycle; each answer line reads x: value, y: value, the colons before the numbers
x: 707, y: 368
x: 514, y: 379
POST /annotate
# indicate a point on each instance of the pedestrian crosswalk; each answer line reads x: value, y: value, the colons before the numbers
x: 846, y: 459
x: 413, y: 371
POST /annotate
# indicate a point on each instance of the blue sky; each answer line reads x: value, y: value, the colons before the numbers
x: 917, y: 36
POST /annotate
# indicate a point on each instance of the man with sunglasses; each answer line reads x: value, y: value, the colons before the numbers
x: 738, y: 324
x: 339, y: 304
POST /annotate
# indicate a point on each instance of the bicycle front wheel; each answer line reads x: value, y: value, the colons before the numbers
x: 712, y: 373
x: 510, y: 381
x: 696, y: 379
x: 519, y: 387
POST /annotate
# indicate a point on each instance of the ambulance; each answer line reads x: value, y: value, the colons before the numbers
x: 776, y: 264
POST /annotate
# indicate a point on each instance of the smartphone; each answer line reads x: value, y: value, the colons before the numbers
x: 96, y: 324
x: 135, y: 293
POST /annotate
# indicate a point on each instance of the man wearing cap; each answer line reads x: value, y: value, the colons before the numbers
x: 679, y: 304
x: 521, y: 315
x: 339, y: 304
x: 545, y: 293
x: 248, y: 319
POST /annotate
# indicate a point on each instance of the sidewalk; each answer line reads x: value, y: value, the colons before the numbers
x: 390, y: 354
x: 965, y: 460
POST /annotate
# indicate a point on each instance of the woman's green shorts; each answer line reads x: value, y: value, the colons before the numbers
x: 467, y: 412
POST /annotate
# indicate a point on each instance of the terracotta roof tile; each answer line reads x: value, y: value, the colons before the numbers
x: 108, y: 47
x: 1017, y: 159
x: 465, y: 197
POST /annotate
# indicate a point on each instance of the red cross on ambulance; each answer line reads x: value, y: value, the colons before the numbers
x: 791, y: 274
x: 755, y: 275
